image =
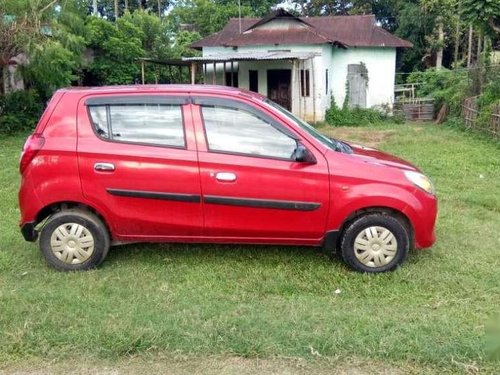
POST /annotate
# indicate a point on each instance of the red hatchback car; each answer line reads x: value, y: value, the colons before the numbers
x: 114, y: 165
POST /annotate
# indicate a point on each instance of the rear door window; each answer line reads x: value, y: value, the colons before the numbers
x: 149, y: 123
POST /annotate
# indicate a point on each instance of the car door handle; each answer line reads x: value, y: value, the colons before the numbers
x: 225, y: 176
x: 104, y: 167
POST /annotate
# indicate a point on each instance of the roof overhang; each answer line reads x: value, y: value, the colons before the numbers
x: 253, y: 56
x: 169, y: 62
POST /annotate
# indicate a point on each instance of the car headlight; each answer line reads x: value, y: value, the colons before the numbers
x: 421, y: 181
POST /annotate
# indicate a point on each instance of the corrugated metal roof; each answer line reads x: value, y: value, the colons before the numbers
x: 350, y: 31
x: 248, y: 56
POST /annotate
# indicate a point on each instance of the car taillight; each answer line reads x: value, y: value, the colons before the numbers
x: 33, y: 144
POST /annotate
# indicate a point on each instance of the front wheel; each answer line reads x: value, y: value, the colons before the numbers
x: 375, y: 243
x: 73, y: 240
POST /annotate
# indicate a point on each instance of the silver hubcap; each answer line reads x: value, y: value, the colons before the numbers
x: 375, y: 246
x: 72, y: 243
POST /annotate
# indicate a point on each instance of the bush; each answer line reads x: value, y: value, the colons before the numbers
x: 346, y: 116
x: 19, y: 111
x: 445, y: 86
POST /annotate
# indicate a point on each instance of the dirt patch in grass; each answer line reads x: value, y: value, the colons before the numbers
x: 368, y: 137
x: 209, y: 366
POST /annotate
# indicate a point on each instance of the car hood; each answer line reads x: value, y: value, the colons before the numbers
x: 372, y: 155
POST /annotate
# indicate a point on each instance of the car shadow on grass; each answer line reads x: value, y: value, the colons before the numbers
x: 228, y: 255
x: 237, y: 254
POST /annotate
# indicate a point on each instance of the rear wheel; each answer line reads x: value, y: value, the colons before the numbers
x: 375, y: 243
x: 74, y: 240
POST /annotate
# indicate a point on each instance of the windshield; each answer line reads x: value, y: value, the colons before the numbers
x: 328, y: 142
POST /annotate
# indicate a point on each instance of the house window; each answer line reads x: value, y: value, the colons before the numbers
x: 232, y: 82
x: 253, y: 79
x: 304, y: 82
x: 326, y: 82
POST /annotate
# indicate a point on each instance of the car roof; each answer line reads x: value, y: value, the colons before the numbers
x: 184, y: 89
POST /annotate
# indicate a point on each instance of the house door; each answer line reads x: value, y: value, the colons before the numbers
x: 278, y: 87
x: 357, y: 78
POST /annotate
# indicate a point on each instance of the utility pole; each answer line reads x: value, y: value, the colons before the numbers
x: 239, y: 12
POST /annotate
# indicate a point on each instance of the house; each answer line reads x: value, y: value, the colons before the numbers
x: 300, y: 62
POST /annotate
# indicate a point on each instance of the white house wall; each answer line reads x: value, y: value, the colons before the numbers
x: 381, y: 66
x: 380, y: 63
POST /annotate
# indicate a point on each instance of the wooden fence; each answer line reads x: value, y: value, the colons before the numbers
x: 471, y: 112
x: 415, y: 109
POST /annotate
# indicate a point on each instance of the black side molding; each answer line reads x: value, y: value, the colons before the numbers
x: 261, y: 203
x: 155, y: 195
x: 29, y: 233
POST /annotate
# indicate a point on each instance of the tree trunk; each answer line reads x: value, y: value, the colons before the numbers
x: 117, y: 14
x: 478, y: 47
x: 439, y: 53
x: 457, y: 43
x: 94, y: 7
x: 140, y: 4
x: 159, y: 8
x: 480, y: 62
x: 2, y: 82
x: 469, y: 49
x: 126, y: 4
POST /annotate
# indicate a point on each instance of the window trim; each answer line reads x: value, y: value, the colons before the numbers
x: 327, y: 83
x: 305, y: 83
x: 90, y: 103
x: 135, y: 99
x: 256, y: 114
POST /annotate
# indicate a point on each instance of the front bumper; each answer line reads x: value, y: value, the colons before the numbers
x: 423, y: 217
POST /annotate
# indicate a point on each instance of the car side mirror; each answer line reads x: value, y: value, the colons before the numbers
x: 303, y: 155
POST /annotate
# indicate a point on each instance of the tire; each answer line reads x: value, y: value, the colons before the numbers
x: 375, y: 243
x: 74, y: 240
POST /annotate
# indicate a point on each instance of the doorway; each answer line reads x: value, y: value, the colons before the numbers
x: 278, y: 87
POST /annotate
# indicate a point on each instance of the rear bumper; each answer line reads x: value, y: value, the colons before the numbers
x: 28, y: 231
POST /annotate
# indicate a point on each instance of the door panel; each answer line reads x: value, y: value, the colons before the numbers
x: 357, y: 81
x: 148, y: 190
x: 260, y: 196
x: 268, y: 199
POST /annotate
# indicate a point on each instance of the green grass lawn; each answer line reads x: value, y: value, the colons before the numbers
x: 273, y: 303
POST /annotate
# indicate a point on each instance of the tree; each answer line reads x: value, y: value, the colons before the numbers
x: 206, y: 15
x: 30, y: 27
x: 443, y: 11
x: 484, y: 14
x: 116, y: 50
x: 411, y: 23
